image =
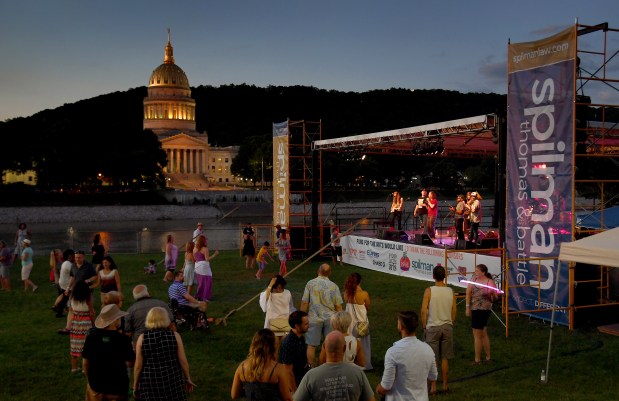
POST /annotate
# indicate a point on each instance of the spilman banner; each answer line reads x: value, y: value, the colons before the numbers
x: 281, y: 175
x: 414, y: 261
x: 540, y: 137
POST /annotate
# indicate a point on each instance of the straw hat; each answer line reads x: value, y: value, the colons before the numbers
x: 108, y: 315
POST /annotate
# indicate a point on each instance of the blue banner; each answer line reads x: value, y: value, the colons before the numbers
x: 540, y: 138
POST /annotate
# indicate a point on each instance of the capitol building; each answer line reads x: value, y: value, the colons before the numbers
x: 170, y: 112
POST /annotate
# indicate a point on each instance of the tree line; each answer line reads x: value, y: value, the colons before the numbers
x: 86, y: 143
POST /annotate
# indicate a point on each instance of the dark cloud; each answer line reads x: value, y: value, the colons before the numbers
x: 495, y: 72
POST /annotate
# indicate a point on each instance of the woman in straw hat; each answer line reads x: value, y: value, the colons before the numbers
x: 107, y: 355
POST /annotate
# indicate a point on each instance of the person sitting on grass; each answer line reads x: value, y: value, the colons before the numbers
x: 151, y: 267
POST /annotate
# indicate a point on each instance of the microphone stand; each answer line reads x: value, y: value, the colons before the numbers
x: 443, y: 221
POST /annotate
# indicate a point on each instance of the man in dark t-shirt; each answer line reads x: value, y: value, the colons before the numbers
x: 293, y: 350
x: 106, y: 356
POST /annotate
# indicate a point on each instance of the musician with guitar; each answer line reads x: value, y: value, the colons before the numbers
x: 459, y: 216
x: 397, y: 208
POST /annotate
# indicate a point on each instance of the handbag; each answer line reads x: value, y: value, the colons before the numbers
x: 279, y: 325
x: 362, y: 326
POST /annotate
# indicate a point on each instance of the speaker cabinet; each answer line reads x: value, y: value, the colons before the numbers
x: 464, y: 244
x: 396, y: 235
x: 423, y: 239
x: 489, y: 243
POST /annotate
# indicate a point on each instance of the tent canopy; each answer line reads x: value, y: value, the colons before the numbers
x: 599, y: 249
x: 610, y: 215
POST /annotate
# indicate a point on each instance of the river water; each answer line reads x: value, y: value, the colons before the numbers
x: 143, y: 229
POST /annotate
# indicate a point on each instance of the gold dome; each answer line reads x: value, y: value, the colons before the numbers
x: 169, y: 74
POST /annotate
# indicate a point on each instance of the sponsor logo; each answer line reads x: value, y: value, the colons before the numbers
x: 373, y: 254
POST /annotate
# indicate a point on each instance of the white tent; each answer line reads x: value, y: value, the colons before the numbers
x: 599, y: 249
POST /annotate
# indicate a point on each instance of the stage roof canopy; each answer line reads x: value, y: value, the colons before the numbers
x: 466, y: 137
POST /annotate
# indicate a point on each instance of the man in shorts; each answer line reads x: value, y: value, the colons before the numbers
x: 321, y: 299
x: 336, y: 246
x: 438, y: 313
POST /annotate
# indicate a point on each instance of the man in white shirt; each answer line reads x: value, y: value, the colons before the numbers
x: 64, y: 281
x: 198, y: 232
x: 438, y: 313
x: 409, y: 364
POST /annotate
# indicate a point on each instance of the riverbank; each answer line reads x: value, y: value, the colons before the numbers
x: 62, y: 214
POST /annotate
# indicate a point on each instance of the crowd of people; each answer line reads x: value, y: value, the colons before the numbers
x: 282, y: 363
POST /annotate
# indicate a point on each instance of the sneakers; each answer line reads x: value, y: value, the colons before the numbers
x: 36, y: 287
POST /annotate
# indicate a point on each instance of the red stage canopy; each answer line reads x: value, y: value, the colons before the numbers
x: 466, y: 137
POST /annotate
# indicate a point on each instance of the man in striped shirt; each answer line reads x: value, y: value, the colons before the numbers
x: 179, y: 292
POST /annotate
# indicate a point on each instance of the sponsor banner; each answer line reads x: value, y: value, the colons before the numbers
x: 540, y: 137
x: 414, y: 261
x: 281, y: 175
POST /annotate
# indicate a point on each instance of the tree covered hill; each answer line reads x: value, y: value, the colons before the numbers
x: 74, y: 143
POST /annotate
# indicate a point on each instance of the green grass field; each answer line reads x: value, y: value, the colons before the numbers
x: 35, y: 362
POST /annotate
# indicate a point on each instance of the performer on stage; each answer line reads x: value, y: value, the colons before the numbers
x: 475, y: 217
x: 459, y: 216
x: 421, y: 209
x: 397, y: 207
x: 467, y: 213
x: 432, y: 206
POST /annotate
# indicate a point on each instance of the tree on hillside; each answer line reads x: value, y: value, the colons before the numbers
x: 254, y: 153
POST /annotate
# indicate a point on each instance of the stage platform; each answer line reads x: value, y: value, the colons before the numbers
x: 415, y: 260
x: 443, y: 239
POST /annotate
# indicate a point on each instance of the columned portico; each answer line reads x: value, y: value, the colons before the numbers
x: 186, y: 154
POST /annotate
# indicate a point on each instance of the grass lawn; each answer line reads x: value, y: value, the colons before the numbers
x: 35, y: 362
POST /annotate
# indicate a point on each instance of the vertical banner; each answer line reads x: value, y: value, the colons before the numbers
x: 281, y: 174
x: 540, y: 137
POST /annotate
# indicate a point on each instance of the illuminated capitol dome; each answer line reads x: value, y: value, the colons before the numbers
x: 170, y: 112
x: 169, y: 106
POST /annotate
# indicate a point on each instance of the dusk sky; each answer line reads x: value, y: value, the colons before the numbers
x: 57, y: 52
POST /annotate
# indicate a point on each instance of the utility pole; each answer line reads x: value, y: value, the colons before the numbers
x: 262, y: 179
